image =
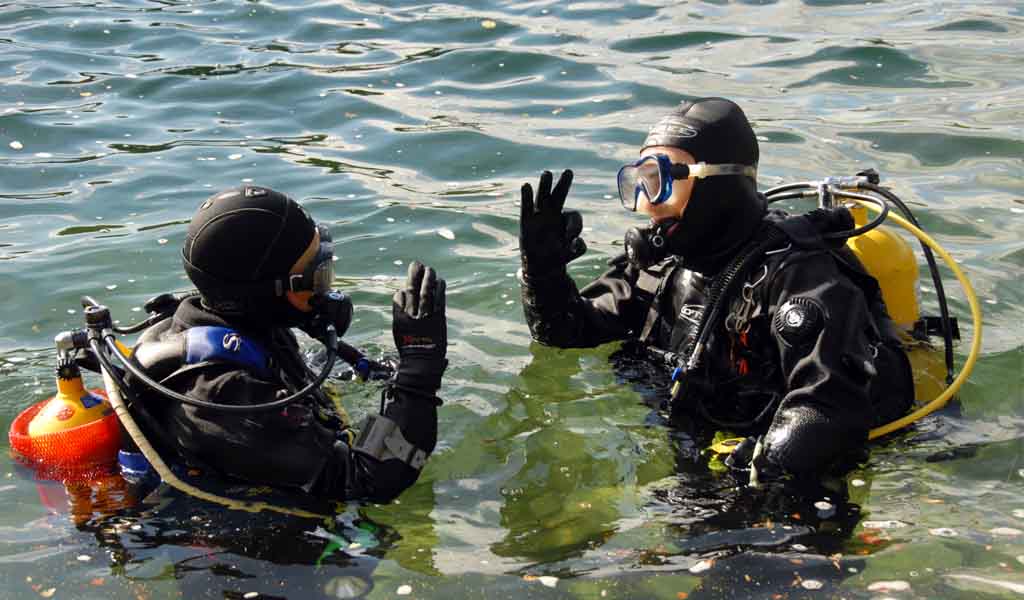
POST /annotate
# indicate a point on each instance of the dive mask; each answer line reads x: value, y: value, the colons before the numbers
x: 318, y: 276
x: 653, y: 175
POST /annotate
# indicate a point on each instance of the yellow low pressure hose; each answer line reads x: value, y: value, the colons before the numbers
x: 972, y: 356
x: 168, y: 476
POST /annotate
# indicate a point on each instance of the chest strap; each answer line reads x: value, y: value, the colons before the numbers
x: 654, y: 281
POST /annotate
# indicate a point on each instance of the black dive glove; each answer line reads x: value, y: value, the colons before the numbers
x: 421, y: 331
x: 548, y: 237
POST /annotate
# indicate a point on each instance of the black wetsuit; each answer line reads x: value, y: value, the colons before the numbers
x: 812, y: 360
x: 300, y: 446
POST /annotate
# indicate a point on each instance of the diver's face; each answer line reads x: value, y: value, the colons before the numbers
x: 681, y: 188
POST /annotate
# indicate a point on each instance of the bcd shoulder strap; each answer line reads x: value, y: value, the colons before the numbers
x: 196, y: 347
x: 654, y: 281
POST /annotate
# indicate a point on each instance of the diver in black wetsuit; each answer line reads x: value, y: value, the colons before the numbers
x: 775, y: 331
x: 262, y: 266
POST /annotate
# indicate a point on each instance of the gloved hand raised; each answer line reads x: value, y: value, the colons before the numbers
x: 548, y: 237
x: 420, y: 330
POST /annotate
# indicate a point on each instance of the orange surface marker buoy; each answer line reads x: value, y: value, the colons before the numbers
x: 74, y: 430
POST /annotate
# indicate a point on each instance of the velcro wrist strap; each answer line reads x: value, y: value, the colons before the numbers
x: 382, y: 439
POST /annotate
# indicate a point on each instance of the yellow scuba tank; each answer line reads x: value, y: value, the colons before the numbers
x: 891, y: 261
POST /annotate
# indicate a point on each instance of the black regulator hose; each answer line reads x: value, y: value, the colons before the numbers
x: 137, y: 407
x: 933, y: 268
x: 801, y: 189
x: 330, y: 344
x: 806, y: 190
x: 724, y: 283
x: 843, y: 235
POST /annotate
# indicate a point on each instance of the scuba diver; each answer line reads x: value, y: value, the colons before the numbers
x: 772, y: 328
x: 235, y: 395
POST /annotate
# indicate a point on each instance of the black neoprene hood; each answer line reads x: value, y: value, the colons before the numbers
x: 241, y: 236
x: 725, y: 211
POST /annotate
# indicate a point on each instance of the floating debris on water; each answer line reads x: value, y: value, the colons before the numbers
x: 943, y: 532
x: 799, y: 547
x: 251, y: 595
x: 346, y: 586
x: 488, y: 24
x: 858, y: 483
x: 112, y: 286
x: 889, y: 586
x: 811, y: 584
x: 702, y: 566
x: 883, y: 524
x: 398, y: 262
x: 1008, y: 531
x: 162, y: 241
x: 404, y: 590
x: 446, y: 233
x: 1006, y: 585
x: 16, y: 145
x: 234, y: 156
x: 44, y: 155
x: 84, y: 558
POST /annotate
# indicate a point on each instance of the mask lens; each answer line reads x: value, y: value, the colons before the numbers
x: 323, y: 271
x: 628, y: 190
x: 325, y: 234
x: 649, y: 175
x: 645, y: 176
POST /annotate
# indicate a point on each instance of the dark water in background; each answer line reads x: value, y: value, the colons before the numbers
x: 409, y: 129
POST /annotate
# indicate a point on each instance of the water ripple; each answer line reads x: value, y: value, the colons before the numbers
x: 393, y: 121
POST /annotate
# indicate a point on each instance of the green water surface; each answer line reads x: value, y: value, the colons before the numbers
x: 409, y: 128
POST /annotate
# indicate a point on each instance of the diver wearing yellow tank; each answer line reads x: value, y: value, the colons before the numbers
x: 770, y: 326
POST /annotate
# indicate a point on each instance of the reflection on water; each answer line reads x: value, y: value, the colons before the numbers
x: 410, y: 128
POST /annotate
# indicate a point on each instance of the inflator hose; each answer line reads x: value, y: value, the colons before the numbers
x: 331, y: 343
x: 940, y: 292
x: 165, y: 473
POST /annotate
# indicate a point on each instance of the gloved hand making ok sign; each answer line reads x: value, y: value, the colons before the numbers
x: 548, y: 236
x: 420, y: 329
